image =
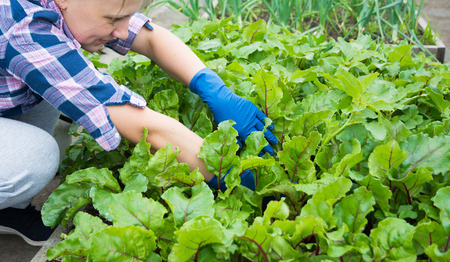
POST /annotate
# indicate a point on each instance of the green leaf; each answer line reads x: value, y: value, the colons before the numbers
x: 202, y: 126
x: 232, y: 214
x: 348, y: 161
x: 165, y: 102
x: 381, y: 193
x: 353, y: 209
x: 351, y: 85
x: 255, y: 243
x: 426, y: 152
x: 62, y: 204
x: 137, y: 183
x: 392, y: 240
x: 321, y: 204
x: 439, y: 100
x: 305, y: 124
x: 131, y: 208
x: 208, y: 45
x: 430, y: 232
x: 299, y: 232
x: 323, y: 101
x: 436, y: 254
x: 101, y: 177
x: 402, y: 54
x: 442, y: 201
x: 255, y: 32
x: 138, y: 160
x: 276, y: 210
x: 269, y: 93
x: 129, y: 243
x: 254, y: 143
x: 194, y: 235
x: 219, y: 149
x: 296, y: 155
x: 179, y: 174
x: 386, y: 157
x: 78, y: 242
x: 412, y: 183
x: 377, y: 130
x: 187, y: 208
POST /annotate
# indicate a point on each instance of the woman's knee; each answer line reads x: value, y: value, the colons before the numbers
x: 48, y: 159
x: 29, y: 159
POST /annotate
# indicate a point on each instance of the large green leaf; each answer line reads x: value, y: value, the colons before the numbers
x: 353, y: 209
x: 321, y: 204
x: 442, y: 201
x: 392, y: 241
x: 101, y: 177
x: 386, y: 157
x: 184, y: 208
x: 256, y: 242
x: 427, y: 152
x: 219, y: 149
x: 296, y: 155
x: 165, y: 102
x: 179, y: 174
x: 411, y: 184
x: 344, y: 165
x: 430, y: 232
x: 269, y: 93
x: 194, y: 235
x: 131, y: 208
x: 306, y: 123
x: 129, y: 243
x: 63, y: 203
x: 78, y: 243
x: 299, y: 233
x: 381, y: 193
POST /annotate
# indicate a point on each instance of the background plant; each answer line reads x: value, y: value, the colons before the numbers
x: 360, y: 171
x: 389, y: 21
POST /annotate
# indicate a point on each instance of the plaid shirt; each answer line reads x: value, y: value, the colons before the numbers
x: 40, y: 59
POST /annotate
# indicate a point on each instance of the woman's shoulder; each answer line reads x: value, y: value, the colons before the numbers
x: 23, y: 11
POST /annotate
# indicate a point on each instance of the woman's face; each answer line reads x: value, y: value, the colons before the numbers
x: 95, y: 22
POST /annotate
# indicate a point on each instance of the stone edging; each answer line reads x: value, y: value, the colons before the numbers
x: 437, y: 50
x: 54, y: 239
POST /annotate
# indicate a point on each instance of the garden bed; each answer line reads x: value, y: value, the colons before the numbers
x: 363, y: 130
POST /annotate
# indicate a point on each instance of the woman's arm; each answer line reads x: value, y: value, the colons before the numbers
x: 180, y: 62
x: 168, y: 52
x: 130, y: 122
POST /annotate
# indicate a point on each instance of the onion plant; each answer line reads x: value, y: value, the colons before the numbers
x: 384, y: 20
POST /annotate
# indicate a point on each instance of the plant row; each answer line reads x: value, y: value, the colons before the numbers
x: 360, y: 171
x: 388, y: 21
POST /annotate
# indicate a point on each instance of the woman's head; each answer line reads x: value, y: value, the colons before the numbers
x: 95, y: 22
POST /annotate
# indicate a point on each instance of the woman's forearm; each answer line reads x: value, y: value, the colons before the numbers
x: 130, y: 122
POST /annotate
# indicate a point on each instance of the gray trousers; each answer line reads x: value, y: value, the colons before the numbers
x: 29, y: 155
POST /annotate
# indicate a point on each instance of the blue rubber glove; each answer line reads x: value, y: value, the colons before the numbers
x: 247, y: 180
x: 225, y: 105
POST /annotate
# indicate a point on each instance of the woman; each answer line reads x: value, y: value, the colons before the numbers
x: 43, y: 72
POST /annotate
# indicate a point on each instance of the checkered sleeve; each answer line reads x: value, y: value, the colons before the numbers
x: 55, y: 69
x: 137, y: 21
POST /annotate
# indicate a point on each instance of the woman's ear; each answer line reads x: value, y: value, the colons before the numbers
x: 62, y: 4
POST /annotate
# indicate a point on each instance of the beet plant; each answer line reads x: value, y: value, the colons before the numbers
x: 360, y: 171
